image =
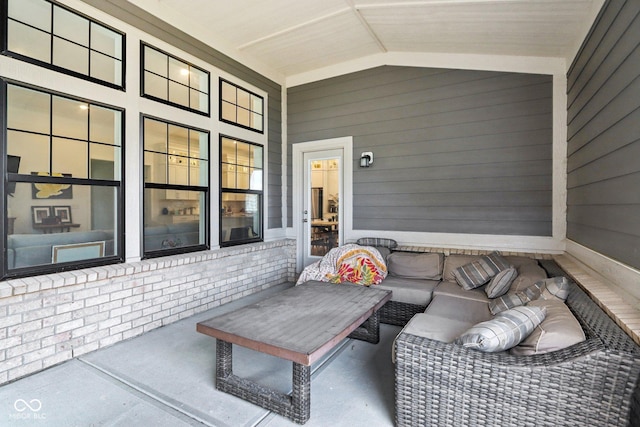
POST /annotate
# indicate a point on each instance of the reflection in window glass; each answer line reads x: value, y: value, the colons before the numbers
x: 67, y: 25
x: 106, y: 41
x: 176, y: 82
x: 29, y: 42
x: 102, y: 123
x: 70, y: 56
x: 35, y: 13
x: 241, y: 107
x: 242, y: 191
x: 65, y: 147
x: 178, y: 225
x: 70, y: 156
x: 74, y: 42
x: 64, y: 187
x: 241, y: 220
x: 59, y: 229
x: 70, y: 118
x: 30, y: 110
x: 176, y: 187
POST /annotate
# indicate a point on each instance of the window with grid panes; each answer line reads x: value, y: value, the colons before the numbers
x: 63, y: 181
x: 57, y: 37
x: 241, y: 107
x: 174, y: 81
x: 241, y: 178
x: 176, y: 187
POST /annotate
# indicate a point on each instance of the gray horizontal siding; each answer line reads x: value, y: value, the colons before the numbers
x: 274, y: 203
x: 455, y: 151
x: 603, y: 198
x: 139, y: 18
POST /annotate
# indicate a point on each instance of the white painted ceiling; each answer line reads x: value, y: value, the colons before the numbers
x: 297, y: 36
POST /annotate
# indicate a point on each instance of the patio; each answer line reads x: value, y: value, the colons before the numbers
x: 166, y: 378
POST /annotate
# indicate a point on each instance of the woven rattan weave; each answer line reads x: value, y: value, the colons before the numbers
x: 593, y: 383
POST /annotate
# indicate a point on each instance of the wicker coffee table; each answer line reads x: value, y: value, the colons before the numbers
x: 300, y: 324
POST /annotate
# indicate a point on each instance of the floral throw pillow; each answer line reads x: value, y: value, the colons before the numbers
x: 362, y: 266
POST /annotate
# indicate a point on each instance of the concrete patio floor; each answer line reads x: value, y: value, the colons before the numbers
x: 166, y: 378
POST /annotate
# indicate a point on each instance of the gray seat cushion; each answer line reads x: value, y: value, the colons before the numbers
x: 460, y: 309
x: 426, y: 266
x: 436, y: 327
x: 528, y: 274
x: 452, y: 289
x: 409, y: 291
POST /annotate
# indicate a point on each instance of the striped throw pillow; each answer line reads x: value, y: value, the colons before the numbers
x: 478, y: 272
x: 508, y: 301
x: 555, y: 287
x: 500, y: 284
x: 504, y: 331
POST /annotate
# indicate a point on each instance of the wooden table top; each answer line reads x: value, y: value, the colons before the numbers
x: 300, y: 324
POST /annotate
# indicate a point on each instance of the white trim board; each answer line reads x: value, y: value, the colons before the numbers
x: 528, y: 244
x: 625, y: 280
x: 504, y: 63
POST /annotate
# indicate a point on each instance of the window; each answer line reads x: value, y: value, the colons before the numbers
x: 241, y: 199
x: 176, y: 188
x: 51, y: 35
x: 63, y: 181
x: 173, y: 81
x: 241, y: 107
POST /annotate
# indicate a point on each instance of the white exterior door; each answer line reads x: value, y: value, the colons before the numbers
x: 322, y: 196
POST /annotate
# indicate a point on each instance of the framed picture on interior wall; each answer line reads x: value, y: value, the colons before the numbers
x: 39, y: 213
x: 64, y: 213
x: 48, y: 190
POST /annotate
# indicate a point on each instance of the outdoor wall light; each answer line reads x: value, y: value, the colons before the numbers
x: 366, y: 159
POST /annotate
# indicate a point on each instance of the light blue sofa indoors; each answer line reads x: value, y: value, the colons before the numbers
x: 26, y: 250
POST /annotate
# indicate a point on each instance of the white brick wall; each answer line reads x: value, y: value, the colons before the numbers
x: 48, y: 319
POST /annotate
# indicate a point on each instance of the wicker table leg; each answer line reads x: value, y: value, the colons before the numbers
x: 369, y: 331
x: 296, y: 407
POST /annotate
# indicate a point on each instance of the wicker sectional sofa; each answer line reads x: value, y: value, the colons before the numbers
x: 439, y: 383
